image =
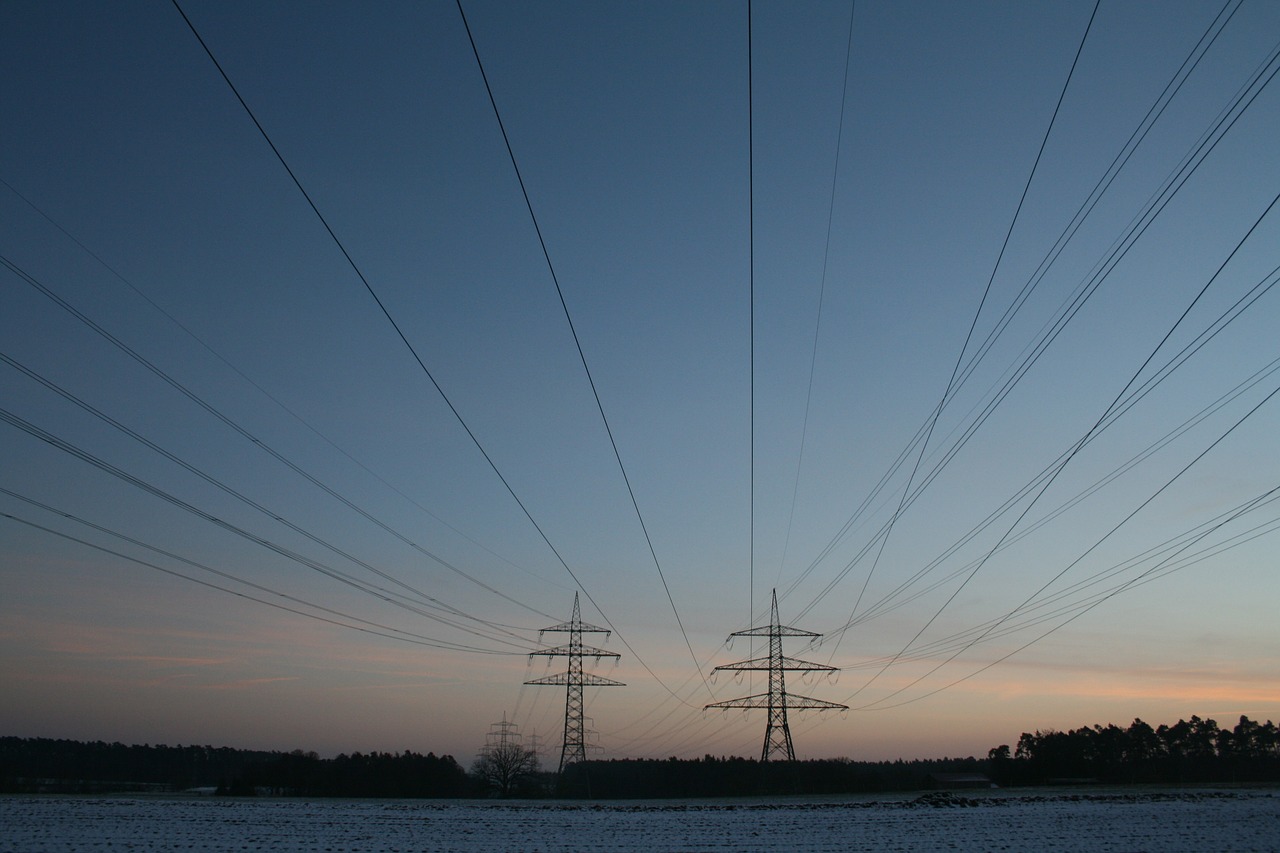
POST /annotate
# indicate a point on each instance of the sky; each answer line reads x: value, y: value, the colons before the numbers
x: 953, y: 323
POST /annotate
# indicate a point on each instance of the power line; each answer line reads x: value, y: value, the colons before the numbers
x: 884, y: 607
x: 1090, y: 549
x: 1084, y: 440
x: 1264, y: 286
x: 937, y: 412
x: 1174, y: 85
x: 1123, y: 587
x: 1172, y: 562
x: 281, y: 405
x: 582, y: 356
x: 822, y: 290
x: 1068, y: 311
x: 1173, y: 183
x: 405, y: 340
x: 377, y: 592
x: 240, y: 496
x: 240, y: 430
x: 751, y: 322
x: 374, y: 628
x: 1154, y: 112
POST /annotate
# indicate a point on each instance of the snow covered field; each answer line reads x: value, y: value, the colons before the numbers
x: 1087, y: 821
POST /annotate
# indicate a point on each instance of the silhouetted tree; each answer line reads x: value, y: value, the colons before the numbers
x: 502, y: 767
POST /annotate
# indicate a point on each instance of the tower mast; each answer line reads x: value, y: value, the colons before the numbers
x: 574, y: 680
x: 777, y: 734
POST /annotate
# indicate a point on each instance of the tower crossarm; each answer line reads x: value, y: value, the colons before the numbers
x: 791, y: 701
x: 807, y: 703
x: 782, y: 663
x: 584, y: 651
x: 585, y: 679
x: 570, y: 627
x: 774, y: 631
x: 760, y: 700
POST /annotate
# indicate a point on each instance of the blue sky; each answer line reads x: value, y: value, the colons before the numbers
x: 138, y: 192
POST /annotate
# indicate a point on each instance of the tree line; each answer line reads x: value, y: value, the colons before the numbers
x: 375, y: 774
x: 45, y: 765
x: 1195, y: 750
x: 1189, y: 751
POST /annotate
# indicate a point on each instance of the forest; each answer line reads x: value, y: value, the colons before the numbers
x: 43, y: 765
x: 49, y: 765
x: 1195, y: 751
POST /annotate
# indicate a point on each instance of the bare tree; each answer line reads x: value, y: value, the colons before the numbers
x: 502, y: 766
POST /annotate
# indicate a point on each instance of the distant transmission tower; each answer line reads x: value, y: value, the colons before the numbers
x: 777, y: 736
x: 501, y: 735
x: 574, y: 679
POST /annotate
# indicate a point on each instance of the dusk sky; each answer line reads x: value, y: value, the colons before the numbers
x: 275, y: 476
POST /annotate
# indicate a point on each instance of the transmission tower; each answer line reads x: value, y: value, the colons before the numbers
x: 574, y: 679
x: 500, y: 735
x: 777, y: 735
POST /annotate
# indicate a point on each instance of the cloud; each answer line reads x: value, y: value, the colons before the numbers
x: 248, y: 683
x: 175, y: 661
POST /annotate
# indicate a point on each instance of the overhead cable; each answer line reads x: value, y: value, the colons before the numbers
x: 278, y: 403
x: 582, y: 356
x: 243, y: 432
x: 1084, y: 440
x: 405, y: 340
x: 371, y: 627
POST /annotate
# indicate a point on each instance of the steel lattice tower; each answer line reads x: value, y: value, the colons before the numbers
x: 574, y: 680
x: 777, y: 735
x: 501, y: 735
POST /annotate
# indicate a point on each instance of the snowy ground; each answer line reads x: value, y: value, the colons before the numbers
x: 1060, y: 821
